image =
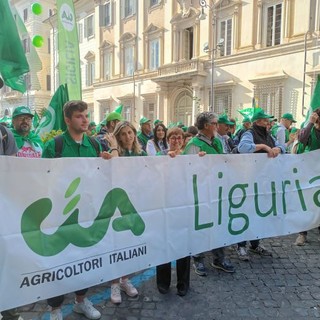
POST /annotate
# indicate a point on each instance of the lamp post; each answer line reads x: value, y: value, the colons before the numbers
x: 203, y: 4
x: 212, y: 80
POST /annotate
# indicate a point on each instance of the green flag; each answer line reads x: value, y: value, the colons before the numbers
x: 32, y: 56
x: 35, y: 120
x: 314, y: 104
x: 118, y: 109
x: 53, y: 117
x: 248, y: 112
x: 68, y: 49
x: 13, y: 62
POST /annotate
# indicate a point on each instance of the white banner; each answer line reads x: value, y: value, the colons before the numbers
x: 71, y: 223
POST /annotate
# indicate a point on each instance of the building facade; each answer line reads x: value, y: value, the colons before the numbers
x: 161, y: 59
x: 170, y: 59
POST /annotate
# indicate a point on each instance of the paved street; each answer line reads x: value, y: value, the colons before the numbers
x: 286, y: 286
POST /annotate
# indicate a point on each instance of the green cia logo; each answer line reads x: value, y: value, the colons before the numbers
x: 70, y: 232
x: 67, y: 17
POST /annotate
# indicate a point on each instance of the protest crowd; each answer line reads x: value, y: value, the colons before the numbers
x: 114, y: 137
x: 24, y: 135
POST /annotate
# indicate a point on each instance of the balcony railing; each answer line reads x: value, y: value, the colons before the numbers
x: 190, y: 66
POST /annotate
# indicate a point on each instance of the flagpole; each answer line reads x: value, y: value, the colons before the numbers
x: 28, y: 83
x: 53, y: 52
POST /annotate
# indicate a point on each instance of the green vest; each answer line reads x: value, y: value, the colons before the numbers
x: 214, y: 148
x: 143, y: 139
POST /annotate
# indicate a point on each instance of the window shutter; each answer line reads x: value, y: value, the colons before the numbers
x: 87, y: 75
x: 102, y: 9
x: 93, y: 26
x: 111, y: 13
x: 122, y: 8
x: 86, y: 28
x: 228, y: 43
x: 80, y: 32
x: 134, y: 6
x: 93, y: 67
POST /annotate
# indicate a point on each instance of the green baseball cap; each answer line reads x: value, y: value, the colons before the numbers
x: 157, y: 121
x: 184, y: 128
x: 18, y: 111
x: 260, y: 115
x: 92, y: 124
x: 144, y: 120
x: 224, y: 119
x: 114, y: 116
x: 246, y: 119
x: 288, y: 116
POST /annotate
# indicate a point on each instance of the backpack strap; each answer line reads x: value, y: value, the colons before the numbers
x: 95, y: 144
x: 58, y: 144
x: 4, y: 137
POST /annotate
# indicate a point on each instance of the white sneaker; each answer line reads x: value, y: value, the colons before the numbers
x: 115, y: 293
x: 128, y: 288
x: 242, y: 253
x: 87, y: 309
x: 56, y: 314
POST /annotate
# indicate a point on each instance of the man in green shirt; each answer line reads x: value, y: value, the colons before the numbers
x: 75, y: 143
x: 146, y: 132
x: 205, y: 142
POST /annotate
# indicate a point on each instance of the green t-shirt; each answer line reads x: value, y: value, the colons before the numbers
x: 71, y: 148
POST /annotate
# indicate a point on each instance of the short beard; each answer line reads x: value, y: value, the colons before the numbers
x: 22, y: 131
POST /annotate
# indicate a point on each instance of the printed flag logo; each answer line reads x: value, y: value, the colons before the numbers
x: 66, y: 17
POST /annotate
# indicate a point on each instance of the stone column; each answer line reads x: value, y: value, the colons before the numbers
x: 175, y: 44
x: 235, y: 29
x: 162, y: 103
x: 259, y: 25
x: 286, y: 20
x: 196, y: 39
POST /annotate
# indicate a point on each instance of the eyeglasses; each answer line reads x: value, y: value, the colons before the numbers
x: 25, y: 118
x: 175, y: 138
x: 214, y: 123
